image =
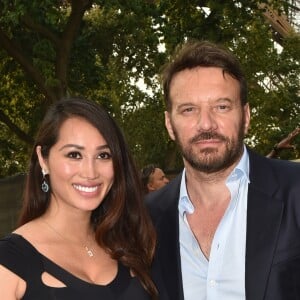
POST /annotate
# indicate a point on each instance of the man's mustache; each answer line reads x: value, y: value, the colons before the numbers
x: 207, y: 136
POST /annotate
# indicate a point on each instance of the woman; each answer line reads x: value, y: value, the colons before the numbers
x: 84, y: 232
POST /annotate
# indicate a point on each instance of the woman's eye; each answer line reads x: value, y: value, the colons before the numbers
x: 105, y: 155
x: 74, y: 155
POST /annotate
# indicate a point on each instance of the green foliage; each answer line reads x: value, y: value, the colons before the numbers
x: 100, y: 49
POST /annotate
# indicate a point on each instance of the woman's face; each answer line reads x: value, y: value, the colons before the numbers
x: 79, y: 165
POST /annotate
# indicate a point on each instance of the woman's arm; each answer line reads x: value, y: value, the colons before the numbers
x: 12, y: 287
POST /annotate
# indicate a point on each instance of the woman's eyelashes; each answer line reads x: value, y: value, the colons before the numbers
x: 74, y: 155
x: 104, y: 155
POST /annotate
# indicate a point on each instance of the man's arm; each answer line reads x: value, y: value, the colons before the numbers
x: 284, y: 144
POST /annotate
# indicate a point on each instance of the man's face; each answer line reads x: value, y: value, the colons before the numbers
x: 157, y: 180
x: 207, y: 119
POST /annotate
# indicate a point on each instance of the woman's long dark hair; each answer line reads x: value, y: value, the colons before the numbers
x: 122, y: 225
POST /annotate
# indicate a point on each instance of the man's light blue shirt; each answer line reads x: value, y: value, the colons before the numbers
x: 223, y: 276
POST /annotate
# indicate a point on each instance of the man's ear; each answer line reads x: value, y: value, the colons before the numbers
x: 246, y: 109
x: 169, y: 126
x: 150, y: 187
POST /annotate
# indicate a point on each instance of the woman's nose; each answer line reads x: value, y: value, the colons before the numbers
x: 89, y: 169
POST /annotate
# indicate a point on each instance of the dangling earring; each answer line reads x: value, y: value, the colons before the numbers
x: 45, y: 186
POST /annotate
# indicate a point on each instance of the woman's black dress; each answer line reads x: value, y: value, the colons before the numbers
x: 20, y: 257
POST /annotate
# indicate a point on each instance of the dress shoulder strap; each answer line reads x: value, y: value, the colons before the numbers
x: 18, y: 255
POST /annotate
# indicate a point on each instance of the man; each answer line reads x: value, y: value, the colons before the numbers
x: 229, y: 225
x: 153, y: 178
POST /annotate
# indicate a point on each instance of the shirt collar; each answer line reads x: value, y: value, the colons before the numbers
x: 241, y: 170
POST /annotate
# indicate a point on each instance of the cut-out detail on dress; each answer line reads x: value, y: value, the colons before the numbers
x: 51, y: 281
x: 19, y: 256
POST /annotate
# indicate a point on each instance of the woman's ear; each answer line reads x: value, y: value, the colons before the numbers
x: 43, y: 162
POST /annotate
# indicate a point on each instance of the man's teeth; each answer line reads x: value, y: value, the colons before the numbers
x: 87, y: 189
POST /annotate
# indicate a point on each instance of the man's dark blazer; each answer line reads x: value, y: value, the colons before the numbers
x: 272, y: 270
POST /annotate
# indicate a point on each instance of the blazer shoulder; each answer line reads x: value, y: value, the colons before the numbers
x: 165, y: 197
x: 271, y: 171
x: 283, y: 167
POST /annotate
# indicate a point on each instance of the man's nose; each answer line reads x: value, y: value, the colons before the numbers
x: 206, y: 120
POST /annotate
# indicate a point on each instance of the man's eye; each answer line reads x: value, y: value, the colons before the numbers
x: 223, y: 107
x: 188, y: 109
x: 74, y: 155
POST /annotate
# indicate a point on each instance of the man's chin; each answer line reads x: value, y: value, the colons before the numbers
x: 209, y: 161
x: 210, y: 151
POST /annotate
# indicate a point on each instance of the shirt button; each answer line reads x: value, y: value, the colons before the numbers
x: 212, y: 283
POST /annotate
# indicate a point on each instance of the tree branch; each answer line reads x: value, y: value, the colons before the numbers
x: 79, y: 7
x: 278, y: 21
x: 15, y: 52
x: 14, y: 128
x: 42, y: 30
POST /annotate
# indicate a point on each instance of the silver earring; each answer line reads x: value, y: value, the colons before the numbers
x: 45, y: 185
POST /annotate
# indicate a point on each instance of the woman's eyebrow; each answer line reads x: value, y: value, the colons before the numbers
x: 105, y: 146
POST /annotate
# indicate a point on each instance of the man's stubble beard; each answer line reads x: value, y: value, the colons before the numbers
x: 209, y: 160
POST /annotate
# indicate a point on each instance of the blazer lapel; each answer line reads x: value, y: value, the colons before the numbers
x: 170, y: 256
x: 168, y: 252
x: 264, y: 215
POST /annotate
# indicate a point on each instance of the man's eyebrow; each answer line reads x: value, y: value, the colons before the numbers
x: 224, y: 99
x: 182, y: 105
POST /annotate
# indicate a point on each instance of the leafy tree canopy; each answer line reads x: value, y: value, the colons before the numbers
x: 100, y: 49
